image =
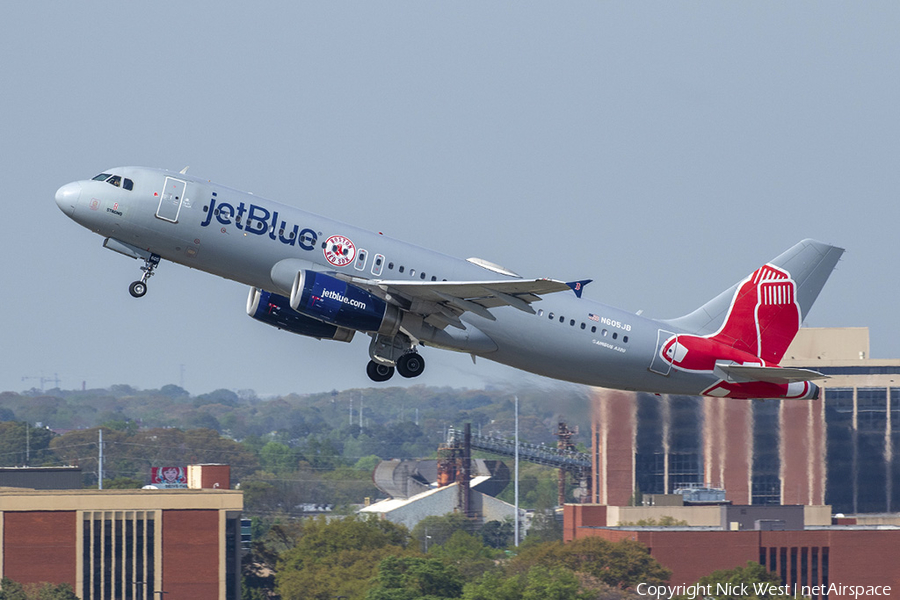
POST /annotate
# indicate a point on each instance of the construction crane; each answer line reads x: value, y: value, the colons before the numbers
x: 43, y: 380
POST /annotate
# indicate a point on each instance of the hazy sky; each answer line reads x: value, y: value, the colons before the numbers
x: 665, y: 150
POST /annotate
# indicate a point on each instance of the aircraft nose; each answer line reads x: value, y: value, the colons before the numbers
x: 67, y: 197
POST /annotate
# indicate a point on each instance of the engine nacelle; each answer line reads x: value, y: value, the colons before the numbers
x: 276, y: 311
x: 329, y: 299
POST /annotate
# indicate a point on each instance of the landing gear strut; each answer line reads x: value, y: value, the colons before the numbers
x: 139, y: 288
x: 388, y: 352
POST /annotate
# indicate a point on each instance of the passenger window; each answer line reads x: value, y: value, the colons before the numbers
x: 615, y: 335
x: 562, y: 319
x: 401, y: 268
x: 540, y: 312
x: 412, y: 272
x: 583, y: 325
x: 128, y: 185
x: 594, y: 329
x: 433, y: 278
x: 551, y: 316
x: 391, y: 266
x: 572, y: 323
x: 361, y: 257
x: 421, y: 275
x: 603, y: 333
x: 377, y: 264
x: 625, y: 339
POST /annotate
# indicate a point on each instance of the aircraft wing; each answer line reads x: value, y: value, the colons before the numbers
x: 741, y: 373
x: 442, y: 302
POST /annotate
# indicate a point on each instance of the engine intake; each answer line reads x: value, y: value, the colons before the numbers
x: 329, y: 299
x: 276, y: 311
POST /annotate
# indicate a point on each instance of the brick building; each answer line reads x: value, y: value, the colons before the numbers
x: 128, y: 544
x: 814, y: 555
x: 838, y: 450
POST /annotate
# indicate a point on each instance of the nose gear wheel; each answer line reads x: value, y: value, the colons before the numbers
x: 139, y: 288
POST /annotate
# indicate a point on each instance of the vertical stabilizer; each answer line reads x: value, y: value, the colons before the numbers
x: 762, y: 313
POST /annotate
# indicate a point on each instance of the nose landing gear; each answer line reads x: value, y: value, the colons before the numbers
x: 139, y: 288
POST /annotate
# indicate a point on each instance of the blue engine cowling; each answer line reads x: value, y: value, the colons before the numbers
x: 276, y: 311
x: 329, y: 299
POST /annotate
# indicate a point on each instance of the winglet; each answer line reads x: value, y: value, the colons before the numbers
x: 578, y: 286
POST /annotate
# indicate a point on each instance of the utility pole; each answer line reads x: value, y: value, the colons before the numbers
x: 100, y: 461
x: 516, y: 476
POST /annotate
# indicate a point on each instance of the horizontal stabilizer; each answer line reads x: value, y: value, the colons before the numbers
x: 735, y: 373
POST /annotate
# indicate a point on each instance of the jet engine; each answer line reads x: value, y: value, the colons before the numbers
x: 276, y: 311
x: 329, y: 299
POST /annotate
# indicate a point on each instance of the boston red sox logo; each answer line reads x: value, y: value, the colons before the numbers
x: 339, y: 250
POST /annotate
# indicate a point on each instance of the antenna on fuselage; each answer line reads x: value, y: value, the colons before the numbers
x: 184, y: 170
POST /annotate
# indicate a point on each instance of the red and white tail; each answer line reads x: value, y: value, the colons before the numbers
x: 764, y: 315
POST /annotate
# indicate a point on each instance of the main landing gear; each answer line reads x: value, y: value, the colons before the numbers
x: 139, y: 288
x: 409, y: 365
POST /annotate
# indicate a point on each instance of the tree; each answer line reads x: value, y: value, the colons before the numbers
x: 337, y: 557
x: 414, y: 578
x: 367, y: 463
x: 439, y: 529
x: 544, y: 528
x: 466, y: 553
x: 744, y: 578
x: 498, y: 534
x: 538, y: 583
x: 258, y: 566
x: 21, y: 444
x: 11, y: 590
x: 123, y: 483
x: 278, y: 458
x: 621, y: 564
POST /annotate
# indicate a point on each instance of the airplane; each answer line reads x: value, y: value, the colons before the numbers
x: 318, y: 277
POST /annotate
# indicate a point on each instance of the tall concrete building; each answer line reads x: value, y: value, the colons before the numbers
x: 838, y: 450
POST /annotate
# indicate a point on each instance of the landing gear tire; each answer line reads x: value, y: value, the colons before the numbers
x: 137, y: 289
x: 411, y: 365
x: 379, y: 372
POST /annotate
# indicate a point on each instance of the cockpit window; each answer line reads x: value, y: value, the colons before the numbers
x: 115, y: 180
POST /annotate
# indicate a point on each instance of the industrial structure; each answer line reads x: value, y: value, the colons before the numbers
x: 454, y: 483
x: 564, y: 457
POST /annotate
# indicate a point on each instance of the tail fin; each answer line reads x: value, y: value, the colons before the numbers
x: 762, y: 313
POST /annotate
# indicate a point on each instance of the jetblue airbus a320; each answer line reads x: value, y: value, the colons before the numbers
x: 318, y: 277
